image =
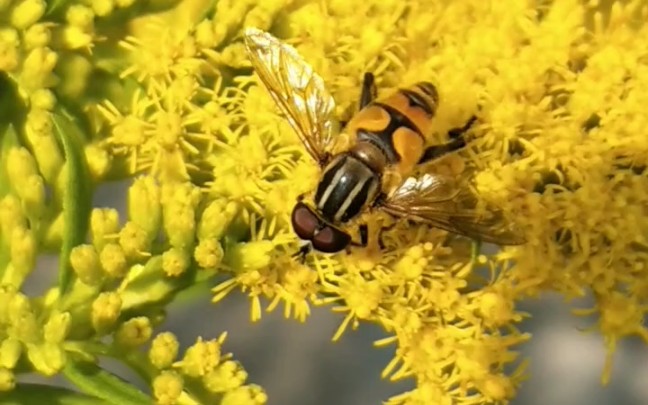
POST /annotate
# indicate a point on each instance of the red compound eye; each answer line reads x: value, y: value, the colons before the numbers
x: 331, y: 240
x: 304, y: 221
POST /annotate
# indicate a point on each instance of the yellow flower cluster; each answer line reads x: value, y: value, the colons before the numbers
x: 559, y: 88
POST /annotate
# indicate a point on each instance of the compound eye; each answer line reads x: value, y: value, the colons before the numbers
x: 331, y: 240
x: 304, y: 221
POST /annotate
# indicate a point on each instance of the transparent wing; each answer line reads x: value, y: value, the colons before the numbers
x: 298, y: 91
x: 434, y: 200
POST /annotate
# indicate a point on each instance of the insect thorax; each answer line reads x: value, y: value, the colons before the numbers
x: 347, y: 185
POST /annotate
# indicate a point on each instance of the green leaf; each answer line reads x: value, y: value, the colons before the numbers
x: 93, y: 380
x: 38, y: 394
x: 77, y: 198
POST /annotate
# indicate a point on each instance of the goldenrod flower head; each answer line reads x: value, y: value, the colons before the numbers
x: 110, y: 89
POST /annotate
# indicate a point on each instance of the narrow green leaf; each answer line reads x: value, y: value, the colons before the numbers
x: 93, y: 380
x: 39, y: 394
x: 77, y: 198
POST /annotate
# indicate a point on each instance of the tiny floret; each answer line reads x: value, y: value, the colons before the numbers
x: 164, y: 350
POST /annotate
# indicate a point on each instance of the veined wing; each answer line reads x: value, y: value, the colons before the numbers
x: 299, y: 92
x: 433, y: 199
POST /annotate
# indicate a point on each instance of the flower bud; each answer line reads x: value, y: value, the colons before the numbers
x: 27, y: 12
x: 40, y: 133
x: 37, y: 36
x: 86, y: 265
x: 80, y: 16
x: 201, y: 358
x: 11, y: 216
x: 23, y: 250
x: 216, y: 218
x: 33, y: 196
x: 9, y: 43
x: 249, y: 394
x: 57, y: 327
x: 251, y: 255
x: 175, y: 262
x: 106, y: 309
x: 7, y: 380
x: 179, y: 224
x: 144, y: 207
x: 47, y: 358
x: 104, y: 222
x: 24, y: 324
x: 10, y: 351
x: 20, y: 165
x: 43, y: 99
x: 37, y: 68
x: 167, y: 388
x: 225, y: 377
x: 164, y: 350
x: 134, y: 332
x: 113, y: 260
x: 134, y: 240
x: 99, y: 161
x: 205, y: 35
x: 209, y: 254
x: 102, y: 7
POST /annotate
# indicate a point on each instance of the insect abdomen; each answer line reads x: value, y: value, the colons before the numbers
x: 417, y: 102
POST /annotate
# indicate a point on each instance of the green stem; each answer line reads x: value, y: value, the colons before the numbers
x: 93, y: 380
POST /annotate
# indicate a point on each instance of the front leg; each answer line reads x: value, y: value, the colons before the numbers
x: 303, y: 251
x: 369, y: 91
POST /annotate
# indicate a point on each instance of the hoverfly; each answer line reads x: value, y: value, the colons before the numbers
x: 386, y: 136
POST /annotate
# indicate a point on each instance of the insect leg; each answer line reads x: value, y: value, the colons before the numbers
x: 363, y: 230
x: 455, y: 133
x: 457, y: 142
x: 303, y: 251
x: 364, y: 234
x: 381, y: 243
x: 369, y: 91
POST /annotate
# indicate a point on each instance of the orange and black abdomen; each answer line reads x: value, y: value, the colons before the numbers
x: 398, y: 124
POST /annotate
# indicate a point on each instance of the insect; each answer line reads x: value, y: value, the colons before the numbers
x: 386, y: 136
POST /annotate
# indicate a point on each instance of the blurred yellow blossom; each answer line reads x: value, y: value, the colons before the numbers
x: 164, y: 91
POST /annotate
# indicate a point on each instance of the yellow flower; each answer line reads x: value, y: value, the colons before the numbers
x: 112, y: 89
